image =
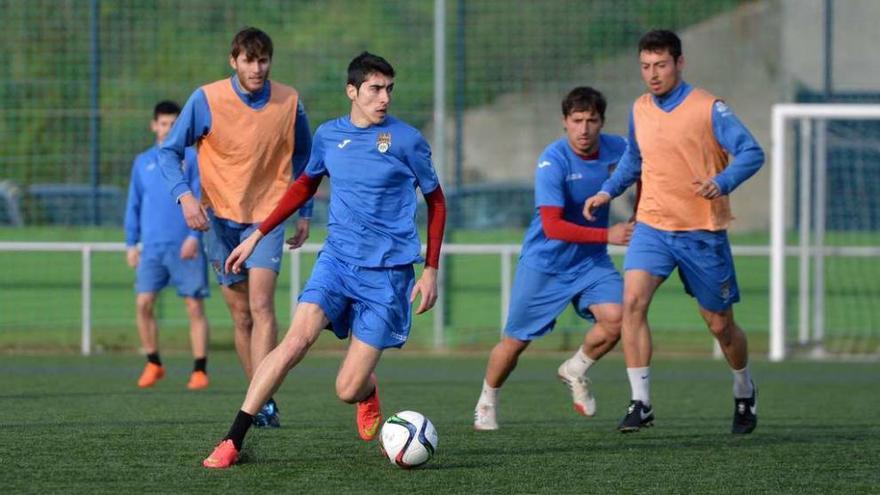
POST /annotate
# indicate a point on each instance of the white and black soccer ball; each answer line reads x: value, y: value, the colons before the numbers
x: 408, y: 439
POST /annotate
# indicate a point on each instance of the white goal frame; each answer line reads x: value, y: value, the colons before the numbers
x: 811, y: 323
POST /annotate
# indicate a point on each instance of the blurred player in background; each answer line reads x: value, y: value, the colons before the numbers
x: 679, y: 140
x: 172, y: 253
x: 564, y: 257
x: 363, y: 282
x: 253, y: 138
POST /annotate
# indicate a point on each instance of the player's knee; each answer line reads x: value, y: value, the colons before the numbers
x: 611, y: 326
x: 635, y: 303
x: 195, y: 308
x: 145, y: 306
x: 513, y: 346
x: 262, y: 308
x: 347, y: 391
x: 721, y: 327
x: 242, y: 321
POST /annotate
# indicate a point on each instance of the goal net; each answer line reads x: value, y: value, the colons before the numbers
x: 825, y: 230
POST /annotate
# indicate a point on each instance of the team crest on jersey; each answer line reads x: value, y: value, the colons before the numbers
x: 383, y: 142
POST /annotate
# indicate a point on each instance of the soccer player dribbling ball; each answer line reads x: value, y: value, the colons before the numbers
x: 679, y: 140
x: 171, y: 253
x: 363, y: 282
x: 253, y: 137
x: 565, y: 258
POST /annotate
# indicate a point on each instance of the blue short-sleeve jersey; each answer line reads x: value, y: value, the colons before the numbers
x: 151, y: 215
x: 564, y: 179
x: 374, y: 172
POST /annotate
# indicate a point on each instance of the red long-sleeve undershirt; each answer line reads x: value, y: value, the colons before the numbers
x: 436, y: 226
x: 557, y: 228
x: 297, y: 194
x: 305, y: 187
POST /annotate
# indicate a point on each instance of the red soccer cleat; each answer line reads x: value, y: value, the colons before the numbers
x: 152, y: 374
x: 224, y: 456
x: 369, y: 414
x: 198, y: 380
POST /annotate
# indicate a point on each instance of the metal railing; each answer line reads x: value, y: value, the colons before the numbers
x: 505, y: 252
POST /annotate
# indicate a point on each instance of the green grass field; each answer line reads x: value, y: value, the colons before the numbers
x: 79, y: 425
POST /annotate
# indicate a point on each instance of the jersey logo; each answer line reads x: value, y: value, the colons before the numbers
x: 383, y: 141
x: 574, y: 176
x: 343, y: 143
x: 151, y: 166
x: 543, y: 164
x: 722, y: 108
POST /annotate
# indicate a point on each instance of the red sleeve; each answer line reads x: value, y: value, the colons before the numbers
x: 555, y: 227
x: 436, y: 225
x: 296, y: 196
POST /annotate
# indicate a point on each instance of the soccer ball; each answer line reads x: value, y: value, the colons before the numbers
x: 408, y: 439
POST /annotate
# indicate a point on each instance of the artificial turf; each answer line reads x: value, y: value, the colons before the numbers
x: 70, y: 424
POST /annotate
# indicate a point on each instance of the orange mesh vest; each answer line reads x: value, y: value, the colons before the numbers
x: 676, y: 148
x: 245, y: 160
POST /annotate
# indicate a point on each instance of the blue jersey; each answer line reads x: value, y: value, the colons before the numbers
x: 151, y: 214
x: 374, y: 173
x: 730, y: 133
x: 564, y: 179
x: 194, y: 122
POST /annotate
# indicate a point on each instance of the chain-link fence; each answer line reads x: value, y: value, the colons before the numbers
x: 82, y: 76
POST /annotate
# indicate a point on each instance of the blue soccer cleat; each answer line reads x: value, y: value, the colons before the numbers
x: 268, y: 417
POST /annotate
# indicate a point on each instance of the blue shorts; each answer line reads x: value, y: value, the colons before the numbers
x: 224, y: 235
x: 538, y: 298
x: 161, y: 264
x: 703, y: 258
x: 370, y: 303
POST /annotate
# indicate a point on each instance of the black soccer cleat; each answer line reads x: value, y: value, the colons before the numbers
x: 638, y: 416
x: 745, y: 413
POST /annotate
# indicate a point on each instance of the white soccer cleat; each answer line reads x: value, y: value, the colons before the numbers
x: 484, y: 417
x: 584, y: 402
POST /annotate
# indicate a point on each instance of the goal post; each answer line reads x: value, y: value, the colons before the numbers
x: 836, y: 224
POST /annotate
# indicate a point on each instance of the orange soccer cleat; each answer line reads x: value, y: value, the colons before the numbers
x: 152, y: 374
x: 198, y: 380
x: 369, y: 414
x: 224, y: 455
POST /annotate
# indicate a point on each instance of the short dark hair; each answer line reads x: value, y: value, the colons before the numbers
x: 659, y: 40
x: 165, y: 107
x: 583, y: 99
x: 252, y: 42
x: 365, y: 64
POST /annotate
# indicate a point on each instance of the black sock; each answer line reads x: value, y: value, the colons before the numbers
x: 153, y: 357
x: 240, y: 426
x: 201, y: 364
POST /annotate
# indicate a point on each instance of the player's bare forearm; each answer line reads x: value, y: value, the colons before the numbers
x: 132, y: 257
x: 301, y: 235
x: 706, y: 188
x: 595, y: 202
x: 620, y: 234
x: 242, y: 252
x: 427, y: 287
x: 193, y: 212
